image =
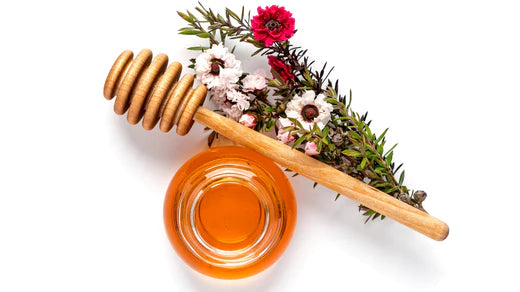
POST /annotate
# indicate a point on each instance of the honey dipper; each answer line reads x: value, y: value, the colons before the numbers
x: 152, y: 91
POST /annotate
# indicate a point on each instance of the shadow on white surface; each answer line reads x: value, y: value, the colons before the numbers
x: 388, y: 247
x: 164, y: 149
x: 265, y: 281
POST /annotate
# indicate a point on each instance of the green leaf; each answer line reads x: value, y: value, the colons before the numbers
x: 354, y: 135
x: 332, y: 100
x: 317, y: 130
x: 368, y: 213
x: 203, y: 35
x: 198, y: 48
x: 381, y: 136
x: 389, y: 158
x: 190, y: 32
x: 337, y: 196
x: 184, y: 16
x: 325, y: 131
x: 363, y: 163
x: 233, y: 14
x: 351, y: 152
x: 380, y: 150
x: 401, y: 178
x: 300, y: 140
x: 391, y: 149
x: 257, y: 52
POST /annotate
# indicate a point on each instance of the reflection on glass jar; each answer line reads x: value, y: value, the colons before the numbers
x: 229, y: 212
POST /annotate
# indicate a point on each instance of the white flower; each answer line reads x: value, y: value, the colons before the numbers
x: 254, y: 82
x: 240, y: 99
x: 285, y: 136
x: 218, y: 68
x: 233, y: 112
x: 219, y: 96
x: 248, y: 120
x: 309, y: 109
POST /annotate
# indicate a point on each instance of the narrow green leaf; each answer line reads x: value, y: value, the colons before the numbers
x: 401, y: 178
x: 381, y: 136
x: 390, y: 150
x: 350, y: 152
x: 337, y: 196
x: 257, y: 52
x: 190, y: 32
x: 332, y: 101
x: 389, y: 158
x: 380, y: 150
x: 368, y: 213
x: 325, y: 132
x: 233, y: 14
x: 299, y: 140
x: 198, y: 48
x: 363, y: 163
x: 203, y: 35
x: 184, y: 16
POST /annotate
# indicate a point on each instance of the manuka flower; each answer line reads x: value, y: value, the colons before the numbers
x: 282, y: 69
x: 309, y: 109
x: 217, y: 68
x: 253, y: 82
x: 311, y: 149
x: 248, y: 120
x: 283, y: 135
x: 272, y: 24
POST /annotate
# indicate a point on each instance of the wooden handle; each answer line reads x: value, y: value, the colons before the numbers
x: 325, y: 175
x: 151, y: 91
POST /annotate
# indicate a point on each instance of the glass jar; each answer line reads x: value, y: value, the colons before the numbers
x: 229, y: 212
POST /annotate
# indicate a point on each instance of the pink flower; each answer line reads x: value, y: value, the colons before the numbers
x: 254, y: 82
x: 248, y: 120
x: 285, y: 137
x: 311, y: 149
x: 272, y: 24
x: 278, y: 66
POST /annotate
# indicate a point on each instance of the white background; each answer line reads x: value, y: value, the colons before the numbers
x: 81, y: 190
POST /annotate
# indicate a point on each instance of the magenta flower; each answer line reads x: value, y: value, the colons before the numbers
x: 272, y: 24
x: 278, y: 66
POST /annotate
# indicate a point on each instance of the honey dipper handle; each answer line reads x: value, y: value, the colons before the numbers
x: 325, y: 175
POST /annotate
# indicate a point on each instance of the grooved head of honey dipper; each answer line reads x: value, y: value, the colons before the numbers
x: 115, y: 75
x: 195, y: 99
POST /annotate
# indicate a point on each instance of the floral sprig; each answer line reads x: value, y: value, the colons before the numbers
x: 301, y: 105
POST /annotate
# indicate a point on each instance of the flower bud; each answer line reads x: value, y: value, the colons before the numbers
x: 311, y: 149
x: 419, y: 196
x: 248, y: 120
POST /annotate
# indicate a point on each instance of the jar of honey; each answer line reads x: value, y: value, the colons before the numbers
x: 229, y: 212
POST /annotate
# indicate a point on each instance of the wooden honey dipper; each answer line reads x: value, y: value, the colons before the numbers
x: 151, y: 91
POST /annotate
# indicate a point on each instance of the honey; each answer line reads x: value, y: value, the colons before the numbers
x: 229, y: 212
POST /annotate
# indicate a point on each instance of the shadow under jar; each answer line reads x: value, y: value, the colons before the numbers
x: 229, y: 212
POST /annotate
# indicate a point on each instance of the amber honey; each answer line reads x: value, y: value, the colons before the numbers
x: 229, y: 212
